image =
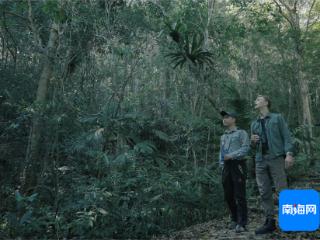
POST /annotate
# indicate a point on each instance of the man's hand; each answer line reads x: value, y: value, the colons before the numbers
x: 227, y: 157
x: 288, y: 161
x: 255, y: 138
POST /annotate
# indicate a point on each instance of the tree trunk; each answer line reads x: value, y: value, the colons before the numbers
x: 33, y: 163
x: 304, y: 94
x: 210, y: 6
x: 306, y: 114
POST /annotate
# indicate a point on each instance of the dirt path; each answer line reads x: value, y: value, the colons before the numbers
x: 216, y: 229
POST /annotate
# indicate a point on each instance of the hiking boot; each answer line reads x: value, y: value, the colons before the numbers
x: 240, y: 229
x: 268, y: 227
x: 232, y: 225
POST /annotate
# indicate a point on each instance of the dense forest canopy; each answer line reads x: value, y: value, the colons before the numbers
x: 109, y: 109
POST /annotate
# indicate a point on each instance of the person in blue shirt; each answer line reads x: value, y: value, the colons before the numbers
x: 234, y: 146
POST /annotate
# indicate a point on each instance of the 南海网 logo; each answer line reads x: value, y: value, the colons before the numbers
x: 299, y: 210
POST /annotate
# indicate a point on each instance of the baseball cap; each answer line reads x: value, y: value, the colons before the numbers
x: 229, y: 113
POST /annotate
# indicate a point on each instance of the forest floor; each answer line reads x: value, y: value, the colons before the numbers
x: 216, y: 229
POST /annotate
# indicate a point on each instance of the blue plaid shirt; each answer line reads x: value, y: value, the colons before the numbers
x: 235, y: 143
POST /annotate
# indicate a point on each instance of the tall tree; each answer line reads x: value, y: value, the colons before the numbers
x: 299, y: 26
x: 48, y: 53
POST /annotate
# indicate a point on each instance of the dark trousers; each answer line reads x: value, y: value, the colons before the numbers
x: 234, y: 176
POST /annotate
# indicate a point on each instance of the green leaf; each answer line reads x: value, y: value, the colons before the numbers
x: 145, y: 147
x: 155, y: 198
x: 32, y: 197
x: 163, y: 136
x: 121, y: 158
x: 18, y: 196
x: 102, y: 211
x: 26, y: 217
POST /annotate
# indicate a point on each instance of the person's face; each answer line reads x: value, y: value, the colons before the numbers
x: 260, y: 102
x: 228, y: 121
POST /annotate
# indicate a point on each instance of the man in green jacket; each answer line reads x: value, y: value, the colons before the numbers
x: 271, y: 138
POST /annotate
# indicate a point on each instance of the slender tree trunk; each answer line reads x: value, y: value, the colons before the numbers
x: 304, y: 95
x: 290, y: 101
x: 306, y: 114
x: 207, y: 147
x: 34, y: 163
x: 210, y: 6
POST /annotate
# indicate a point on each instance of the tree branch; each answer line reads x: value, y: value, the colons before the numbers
x: 10, y: 35
x: 32, y: 26
x: 309, y: 15
x: 288, y: 18
x: 211, y: 101
x: 285, y: 5
x: 16, y: 15
x: 295, y: 6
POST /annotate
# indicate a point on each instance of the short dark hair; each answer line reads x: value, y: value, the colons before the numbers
x: 267, y: 99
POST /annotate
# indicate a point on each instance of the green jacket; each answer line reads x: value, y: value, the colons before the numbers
x: 278, y: 134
